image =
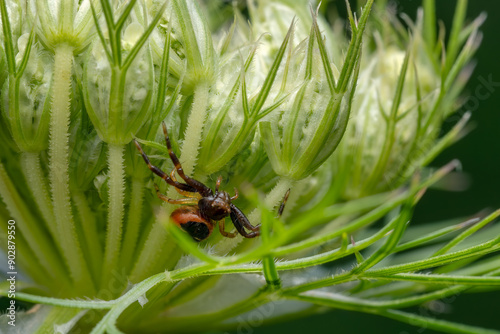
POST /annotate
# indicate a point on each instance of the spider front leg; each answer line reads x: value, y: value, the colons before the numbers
x: 240, y: 222
x: 200, y: 187
x: 162, y: 174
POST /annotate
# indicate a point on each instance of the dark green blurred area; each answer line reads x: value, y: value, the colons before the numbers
x: 479, y: 153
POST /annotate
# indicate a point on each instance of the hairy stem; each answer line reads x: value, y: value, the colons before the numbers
x: 194, y: 129
x: 59, y: 164
x: 115, y: 211
x: 32, y: 170
x: 133, y: 223
x: 89, y: 227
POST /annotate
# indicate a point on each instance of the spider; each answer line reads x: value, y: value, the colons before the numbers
x: 204, y: 207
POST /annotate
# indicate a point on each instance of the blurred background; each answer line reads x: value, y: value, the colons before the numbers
x: 479, y: 153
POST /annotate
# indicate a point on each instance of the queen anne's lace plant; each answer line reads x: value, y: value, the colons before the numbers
x: 271, y: 101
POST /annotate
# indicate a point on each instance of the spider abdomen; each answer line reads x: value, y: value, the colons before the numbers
x: 190, y: 220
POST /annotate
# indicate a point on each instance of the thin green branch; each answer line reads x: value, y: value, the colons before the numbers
x: 470, y: 231
x: 440, y: 279
x: 433, y: 236
x: 125, y: 301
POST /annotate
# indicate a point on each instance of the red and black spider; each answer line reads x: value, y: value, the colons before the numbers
x: 205, y: 208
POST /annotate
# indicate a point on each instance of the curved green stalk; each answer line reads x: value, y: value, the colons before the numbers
x: 107, y: 323
x: 58, y: 165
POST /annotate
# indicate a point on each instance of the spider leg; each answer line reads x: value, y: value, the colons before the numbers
x: 189, y: 201
x: 200, y: 187
x: 235, y: 194
x: 162, y: 174
x: 241, y: 222
x: 182, y: 192
x: 223, y: 232
x: 282, y: 206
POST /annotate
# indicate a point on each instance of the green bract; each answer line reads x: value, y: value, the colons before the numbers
x: 67, y: 22
x: 269, y: 96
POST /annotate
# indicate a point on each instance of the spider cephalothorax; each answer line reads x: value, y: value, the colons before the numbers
x: 206, y: 207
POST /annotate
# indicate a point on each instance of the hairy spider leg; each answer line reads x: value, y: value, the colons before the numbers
x: 189, y: 201
x: 182, y: 192
x: 223, y: 232
x: 162, y: 174
x: 200, y: 187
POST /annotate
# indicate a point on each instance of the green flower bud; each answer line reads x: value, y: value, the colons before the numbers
x: 313, y: 121
x: 25, y: 96
x: 118, y: 101
x: 237, y: 104
x: 118, y: 78
x: 192, y: 45
x: 402, y: 99
x: 63, y: 22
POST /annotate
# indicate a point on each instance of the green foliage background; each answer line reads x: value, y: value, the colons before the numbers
x: 479, y: 153
x: 479, y: 310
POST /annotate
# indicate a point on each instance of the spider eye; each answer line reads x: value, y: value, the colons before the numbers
x: 198, y: 231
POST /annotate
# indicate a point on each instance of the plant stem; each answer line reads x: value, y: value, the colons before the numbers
x: 194, y: 129
x: 89, y: 227
x: 32, y: 170
x: 133, y: 223
x: 115, y: 211
x: 125, y: 301
x: 35, y: 236
x: 59, y: 164
x: 150, y: 256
